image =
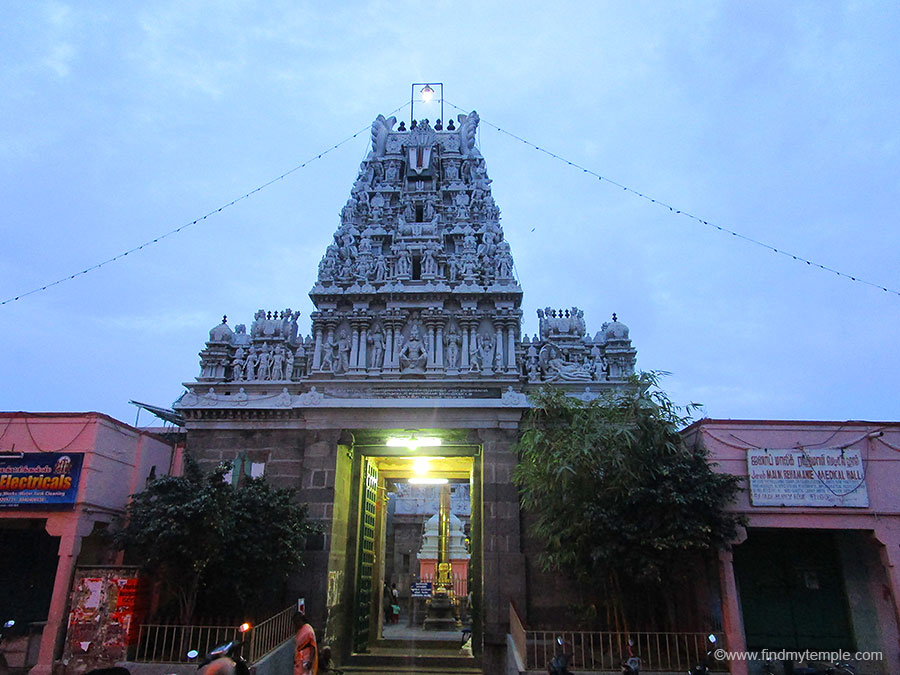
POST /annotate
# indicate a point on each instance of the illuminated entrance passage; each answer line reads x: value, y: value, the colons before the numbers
x: 417, y: 556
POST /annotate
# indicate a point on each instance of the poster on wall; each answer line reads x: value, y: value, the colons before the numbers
x: 804, y: 477
x: 39, y: 480
x: 107, y: 607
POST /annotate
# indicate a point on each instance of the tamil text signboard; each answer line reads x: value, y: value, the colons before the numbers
x: 421, y: 589
x: 39, y: 480
x: 804, y: 477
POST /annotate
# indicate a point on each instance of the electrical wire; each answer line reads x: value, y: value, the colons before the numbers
x: 155, y: 240
x: 681, y: 212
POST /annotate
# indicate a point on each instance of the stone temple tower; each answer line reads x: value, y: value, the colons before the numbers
x: 417, y: 333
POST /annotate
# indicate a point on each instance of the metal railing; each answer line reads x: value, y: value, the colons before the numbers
x: 160, y: 643
x: 518, y: 633
x: 265, y: 637
x: 659, y: 652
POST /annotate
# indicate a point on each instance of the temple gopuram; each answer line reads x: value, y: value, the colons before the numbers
x: 414, y: 352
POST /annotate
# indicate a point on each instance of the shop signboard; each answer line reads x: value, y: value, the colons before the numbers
x: 807, y: 477
x: 39, y: 480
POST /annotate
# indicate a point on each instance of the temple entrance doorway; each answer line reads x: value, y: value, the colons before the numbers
x: 418, y: 554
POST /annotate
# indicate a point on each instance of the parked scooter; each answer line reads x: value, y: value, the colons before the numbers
x: 839, y: 668
x: 4, y: 666
x: 225, y: 659
x: 559, y: 665
x: 702, y: 668
x: 631, y: 665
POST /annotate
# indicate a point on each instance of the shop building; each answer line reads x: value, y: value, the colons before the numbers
x: 65, y: 478
x: 818, y: 565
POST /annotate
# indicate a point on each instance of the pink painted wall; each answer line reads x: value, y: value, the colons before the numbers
x: 117, y: 460
x: 879, y: 445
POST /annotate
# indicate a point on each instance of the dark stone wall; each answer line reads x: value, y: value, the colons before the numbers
x: 299, y: 459
x: 503, y: 561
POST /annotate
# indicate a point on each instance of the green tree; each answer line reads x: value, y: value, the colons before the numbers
x: 202, y: 538
x: 616, y: 497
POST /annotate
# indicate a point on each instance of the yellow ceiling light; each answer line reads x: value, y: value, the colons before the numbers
x: 414, y: 442
x: 421, y: 466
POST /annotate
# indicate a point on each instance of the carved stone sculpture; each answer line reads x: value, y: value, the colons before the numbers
x: 376, y: 351
x: 381, y: 127
x: 413, y: 354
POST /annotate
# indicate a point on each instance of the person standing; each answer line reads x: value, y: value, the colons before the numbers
x: 395, y: 604
x: 306, y: 656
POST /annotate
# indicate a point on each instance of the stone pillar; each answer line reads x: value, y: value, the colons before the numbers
x: 473, y: 335
x: 70, y: 534
x: 354, y: 348
x: 388, y: 361
x: 464, y: 356
x: 511, y: 347
x: 430, y: 363
x: 732, y: 620
x: 317, y: 353
x: 439, y: 347
x: 398, y: 339
x: 363, y: 347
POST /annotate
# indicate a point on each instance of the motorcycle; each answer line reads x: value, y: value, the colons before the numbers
x: 559, y: 665
x: 225, y: 659
x: 631, y: 665
x: 4, y: 666
x: 839, y: 668
x: 702, y: 668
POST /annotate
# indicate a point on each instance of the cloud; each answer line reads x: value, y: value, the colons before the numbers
x: 60, y: 58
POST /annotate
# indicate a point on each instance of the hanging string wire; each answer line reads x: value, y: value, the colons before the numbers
x: 681, y: 212
x: 193, y: 222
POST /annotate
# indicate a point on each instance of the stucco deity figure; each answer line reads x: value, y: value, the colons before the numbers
x: 462, y: 205
x: 504, y: 262
x: 452, y: 268
x: 555, y: 367
x: 289, y: 365
x: 277, y: 367
x: 391, y: 172
x: 451, y: 171
x: 413, y: 354
x: 380, y: 268
x: 252, y: 361
x: 343, y: 347
x: 329, y: 354
x: 376, y: 352
x: 452, y: 339
x: 262, y: 371
x: 429, y: 264
x: 430, y: 215
x: 531, y: 365
x: 404, y: 264
x: 486, y: 351
x: 238, y: 365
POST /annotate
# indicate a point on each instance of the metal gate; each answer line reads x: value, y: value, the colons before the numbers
x: 792, y: 591
x: 366, y: 556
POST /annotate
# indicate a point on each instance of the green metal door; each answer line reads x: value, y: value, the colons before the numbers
x: 792, y: 591
x: 366, y: 556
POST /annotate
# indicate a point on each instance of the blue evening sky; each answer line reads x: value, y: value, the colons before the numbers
x: 779, y: 120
